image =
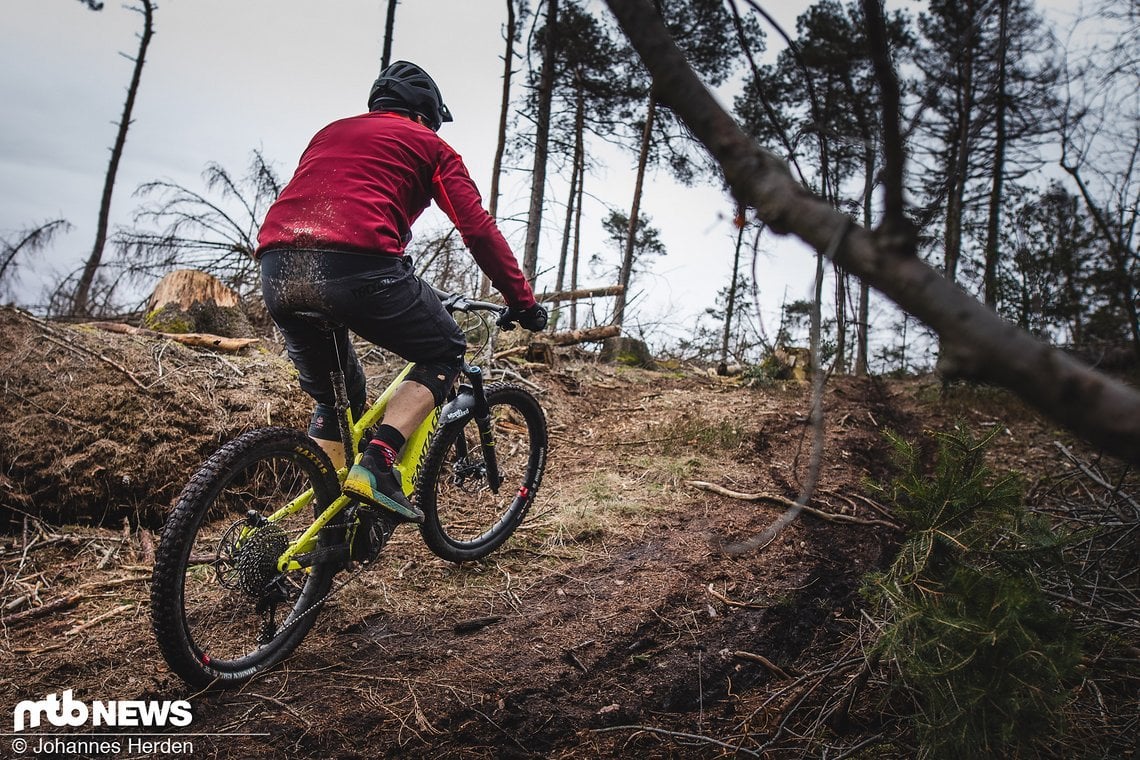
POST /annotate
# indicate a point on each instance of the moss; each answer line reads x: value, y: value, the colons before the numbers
x: 169, y: 319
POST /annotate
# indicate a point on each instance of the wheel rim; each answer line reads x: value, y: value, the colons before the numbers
x: 469, y: 513
x: 234, y: 606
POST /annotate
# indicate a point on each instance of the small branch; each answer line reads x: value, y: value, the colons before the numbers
x: 776, y: 669
x: 56, y: 605
x: 588, y: 335
x: 98, y: 619
x: 283, y: 706
x: 1115, y: 490
x: 198, y: 340
x: 788, y: 504
x: 566, y: 295
x: 679, y: 735
x: 732, y: 602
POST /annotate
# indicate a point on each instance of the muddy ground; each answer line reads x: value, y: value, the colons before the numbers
x: 614, y: 623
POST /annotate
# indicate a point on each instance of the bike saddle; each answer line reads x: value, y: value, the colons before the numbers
x: 318, y: 319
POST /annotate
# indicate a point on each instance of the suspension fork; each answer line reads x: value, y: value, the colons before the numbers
x: 481, y: 411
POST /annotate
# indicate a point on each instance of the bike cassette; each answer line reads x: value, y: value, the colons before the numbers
x: 254, y: 559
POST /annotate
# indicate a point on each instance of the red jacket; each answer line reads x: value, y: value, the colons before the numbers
x: 364, y: 180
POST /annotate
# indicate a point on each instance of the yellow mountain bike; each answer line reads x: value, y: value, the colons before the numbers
x: 252, y: 548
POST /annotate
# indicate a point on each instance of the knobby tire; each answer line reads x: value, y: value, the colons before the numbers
x: 463, y: 519
x: 204, y: 609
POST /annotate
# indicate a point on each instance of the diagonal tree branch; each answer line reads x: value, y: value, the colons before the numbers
x: 976, y: 343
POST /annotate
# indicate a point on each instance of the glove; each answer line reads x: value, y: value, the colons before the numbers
x: 533, y: 319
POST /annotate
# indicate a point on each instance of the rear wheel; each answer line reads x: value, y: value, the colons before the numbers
x: 464, y: 519
x: 221, y: 611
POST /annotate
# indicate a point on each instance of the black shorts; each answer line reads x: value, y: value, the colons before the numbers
x: 378, y: 297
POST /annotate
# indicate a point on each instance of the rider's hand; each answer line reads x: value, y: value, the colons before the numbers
x: 533, y: 319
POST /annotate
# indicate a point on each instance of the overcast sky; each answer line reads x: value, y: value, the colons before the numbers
x: 224, y: 77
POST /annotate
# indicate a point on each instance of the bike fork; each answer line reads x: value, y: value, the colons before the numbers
x: 482, y: 413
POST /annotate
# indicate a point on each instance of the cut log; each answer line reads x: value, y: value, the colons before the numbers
x: 190, y: 301
x: 186, y: 287
x: 569, y: 295
x: 587, y: 335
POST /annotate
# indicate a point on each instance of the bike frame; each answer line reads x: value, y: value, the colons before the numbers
x: 473, y: 403
x: 406, y: 465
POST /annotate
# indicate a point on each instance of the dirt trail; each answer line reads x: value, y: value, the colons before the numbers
x: 610, y: 625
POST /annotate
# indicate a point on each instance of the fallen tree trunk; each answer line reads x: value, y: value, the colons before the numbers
x: 198, y: 340
x: 587, y: 335
x: 569, y: 295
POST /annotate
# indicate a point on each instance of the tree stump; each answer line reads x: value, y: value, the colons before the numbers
x: 189, y: 301
x: 628, y: 351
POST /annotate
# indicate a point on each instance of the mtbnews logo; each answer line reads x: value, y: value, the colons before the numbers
x: 66, y: 711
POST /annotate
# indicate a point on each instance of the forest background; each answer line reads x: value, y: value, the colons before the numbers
x: 1021, y: 172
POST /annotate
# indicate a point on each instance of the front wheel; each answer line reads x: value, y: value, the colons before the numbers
x: 221, y: 611
x: 464, y: 519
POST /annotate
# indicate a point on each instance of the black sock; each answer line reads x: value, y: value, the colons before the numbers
x: 385, y: 445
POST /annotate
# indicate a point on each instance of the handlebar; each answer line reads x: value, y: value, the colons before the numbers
x: 454, y: 302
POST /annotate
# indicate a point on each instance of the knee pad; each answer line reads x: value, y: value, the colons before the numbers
x: 325, y: 424
x: 437, y: 377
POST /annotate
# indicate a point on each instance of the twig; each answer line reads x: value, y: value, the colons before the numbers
x: 283, y: 706
x: 573, y: 658
x: 679, y: 735
x: 98, y: 619
x: 788, y: 503
x: 732, y: 602
x: 776, y: 669
x: 1098, y: 480
x: 64, y: 603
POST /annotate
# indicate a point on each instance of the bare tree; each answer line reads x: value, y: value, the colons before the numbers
x: 389, y: 31
x: 1100, y: 143
x: 976, y: 343
x: 28, y: 241
x: 80, y: 302
x: 214, y: 230
x: 541, y: 139
x: 510, y: 34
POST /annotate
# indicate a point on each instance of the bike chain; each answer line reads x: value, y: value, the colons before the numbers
x: 336, y: 589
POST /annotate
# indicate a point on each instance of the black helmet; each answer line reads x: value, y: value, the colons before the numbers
x: 405, y: 86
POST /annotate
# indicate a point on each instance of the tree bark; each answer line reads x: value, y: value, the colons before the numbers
x: 635, y: 210
x: 501, y: 144
x: 993, y: 221
x: 541, y: 141
x: 389, y: 31
x: 730, y: 307
x: 976, y: 343
x: 80, y: 303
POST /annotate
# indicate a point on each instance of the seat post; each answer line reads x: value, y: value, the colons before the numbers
x: 340, y: 394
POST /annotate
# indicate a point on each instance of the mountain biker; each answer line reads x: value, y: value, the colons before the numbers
x: 333, y: 243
